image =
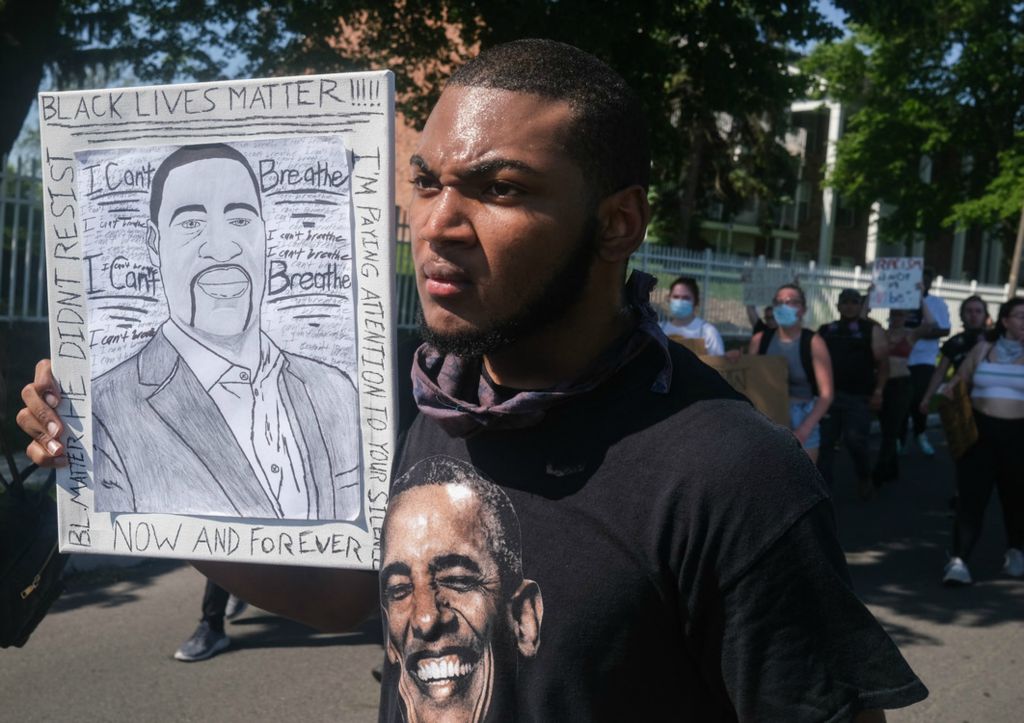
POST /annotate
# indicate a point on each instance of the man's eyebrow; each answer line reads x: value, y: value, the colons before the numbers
x: 240, y: 207
x: 454, y: 560
x: 395, y: 568
x: 483, y: 168
x: 185, y: 209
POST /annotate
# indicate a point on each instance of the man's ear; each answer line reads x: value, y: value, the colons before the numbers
x: 623, y: 218
x: 153, y: 243
x: 527, y: 610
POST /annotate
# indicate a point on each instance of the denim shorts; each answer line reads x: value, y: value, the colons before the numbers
x: 798, y: 412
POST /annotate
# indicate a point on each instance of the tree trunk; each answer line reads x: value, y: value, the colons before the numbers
x: 691, y: 182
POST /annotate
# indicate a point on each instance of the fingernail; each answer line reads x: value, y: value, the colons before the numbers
x: 53, y: 429
x: 53, y: 447
x: 51, y: 399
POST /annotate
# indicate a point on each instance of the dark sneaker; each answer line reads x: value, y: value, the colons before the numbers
x: 235, y: 607
x: 204, y: 643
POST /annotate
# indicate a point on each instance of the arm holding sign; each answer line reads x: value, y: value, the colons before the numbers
x: 327, y: 599
x: 937, y: 317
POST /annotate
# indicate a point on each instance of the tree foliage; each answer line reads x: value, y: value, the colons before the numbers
x: 695, y: 64
x: 943, y: 80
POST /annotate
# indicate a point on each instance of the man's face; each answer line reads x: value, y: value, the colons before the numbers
x: 975, y: 314
x: 441, y: 592
x: 500, y: 214
x: 212, y: 245
x: 849, y: 308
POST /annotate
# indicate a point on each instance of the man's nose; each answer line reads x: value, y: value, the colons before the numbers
x: 443, y: 219
x: 221, y: 243
x: 432, y: 615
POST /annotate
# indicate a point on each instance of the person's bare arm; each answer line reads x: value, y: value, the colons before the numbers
x: 822, y: 363
x: 937, y: 376
x: 930, y: 328
x: 327, y: 599
x: 752, y: 316
x: 880, y: 352
x: 755, y: 343
x: 965, y: 373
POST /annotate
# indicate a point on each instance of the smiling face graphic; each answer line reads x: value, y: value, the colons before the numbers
x: 442, y: 597
x: 211, y: 244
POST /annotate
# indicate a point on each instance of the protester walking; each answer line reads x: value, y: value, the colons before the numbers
x: 209, y: 637
x: 860, y: 368
x: 994, y: 375
x: 810, y: 369
x: 921, y: 361
x: 897, y: 395
x: 683, y: 322
x: 975, y: 318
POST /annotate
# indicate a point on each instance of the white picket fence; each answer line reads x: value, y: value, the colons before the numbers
x: 23, y: 287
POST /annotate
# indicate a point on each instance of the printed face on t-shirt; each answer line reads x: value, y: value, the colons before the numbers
x: 452, y: 626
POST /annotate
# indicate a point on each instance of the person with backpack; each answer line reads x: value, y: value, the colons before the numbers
x: 810, y: 368
x: 860, y: 369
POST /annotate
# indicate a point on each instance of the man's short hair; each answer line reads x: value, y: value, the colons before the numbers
x: 609, y: 136
x: 190, y: 154
x: 504, y: 539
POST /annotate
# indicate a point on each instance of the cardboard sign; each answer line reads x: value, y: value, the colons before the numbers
x: 896, y: 282
x: 220, y: 264
x: 697, y: 346
x: 958, y: 420
x: 764, y: 380
x: 764, y: 282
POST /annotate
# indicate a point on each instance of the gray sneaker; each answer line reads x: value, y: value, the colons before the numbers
x: 235, y: 607
x: 1013, y: 563
x: 956, y: 573
x: 204, y: 643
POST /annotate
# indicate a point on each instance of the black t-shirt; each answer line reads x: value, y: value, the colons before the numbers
x: 959, y: 345
x: 678, y: 562
x: 853, y: 362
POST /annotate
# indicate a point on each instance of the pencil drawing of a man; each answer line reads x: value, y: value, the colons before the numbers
x: 211, y: 416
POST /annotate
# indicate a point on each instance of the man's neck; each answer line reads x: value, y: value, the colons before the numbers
x: 242, y: 349
x: 683, y: 322
x: 561, y: 352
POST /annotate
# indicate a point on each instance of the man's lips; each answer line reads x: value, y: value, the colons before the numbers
x: 444, y: 667
x: 223, y: 282
x: 443, y: 279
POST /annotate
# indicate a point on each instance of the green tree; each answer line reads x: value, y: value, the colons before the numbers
x: 943, y: 80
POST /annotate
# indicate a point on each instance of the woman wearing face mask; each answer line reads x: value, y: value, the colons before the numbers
x: 994, y: 374
x: 810, y: 368
x: 683, y: 300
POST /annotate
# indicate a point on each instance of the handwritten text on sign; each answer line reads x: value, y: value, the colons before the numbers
x: 897, y: 283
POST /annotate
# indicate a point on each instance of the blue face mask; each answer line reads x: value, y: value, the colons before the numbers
x: 785, y: 315
x: 680, y: 308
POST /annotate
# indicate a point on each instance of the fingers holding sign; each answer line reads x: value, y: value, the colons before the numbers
x: 39, y: 420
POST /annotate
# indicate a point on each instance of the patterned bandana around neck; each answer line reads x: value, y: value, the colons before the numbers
x: 458, y: 395
x: 1008, y: 351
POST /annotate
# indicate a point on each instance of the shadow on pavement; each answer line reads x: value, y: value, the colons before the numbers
x: 262, y: 630
x: 111, y: 587
x: 897, y: 542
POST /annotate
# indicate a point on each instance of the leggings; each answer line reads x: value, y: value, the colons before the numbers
x: 895, y: 404
x: 993, y: 461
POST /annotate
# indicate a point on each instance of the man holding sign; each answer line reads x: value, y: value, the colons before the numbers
x: 663, y: 518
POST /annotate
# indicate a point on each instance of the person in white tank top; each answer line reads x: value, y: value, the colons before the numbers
x: 994, y: 373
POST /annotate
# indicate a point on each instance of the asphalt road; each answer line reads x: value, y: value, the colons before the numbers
x: 104, y: 653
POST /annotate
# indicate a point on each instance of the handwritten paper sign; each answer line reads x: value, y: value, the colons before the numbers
x: 764, y: 380
x: 220, y: 269
x: 763, y: 283
x: 896, y: 281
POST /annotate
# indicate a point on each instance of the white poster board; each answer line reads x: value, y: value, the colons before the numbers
x: 761, y: 283
x: 897, y: 282
x: 220, y: 273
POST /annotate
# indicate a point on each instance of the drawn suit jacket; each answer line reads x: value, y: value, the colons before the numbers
x: 161, y: 445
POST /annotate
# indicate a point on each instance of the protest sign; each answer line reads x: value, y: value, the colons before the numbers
x: 896, y: 283
x: 762, y: 283
x: 697, y: 346
x: 764, y: 380
x: 220, y: 269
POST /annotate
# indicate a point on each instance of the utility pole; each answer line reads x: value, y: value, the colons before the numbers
x: 1015, y: 263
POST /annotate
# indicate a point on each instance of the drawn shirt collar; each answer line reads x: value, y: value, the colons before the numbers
x: 210, y: 367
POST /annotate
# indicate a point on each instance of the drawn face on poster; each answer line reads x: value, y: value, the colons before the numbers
x: 459, y: 614
x: 222, y: 333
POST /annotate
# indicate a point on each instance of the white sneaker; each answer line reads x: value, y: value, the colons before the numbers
x: 956, y: 573
x: 1013, y: 563
x: 924, y: 445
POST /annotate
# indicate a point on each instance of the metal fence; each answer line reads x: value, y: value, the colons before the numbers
x: 22, y: 256
x: 23, y: 287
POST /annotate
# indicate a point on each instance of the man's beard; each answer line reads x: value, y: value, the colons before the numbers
x: 563, y: 288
